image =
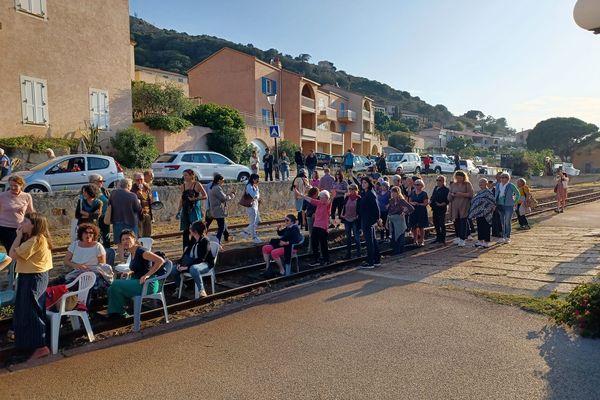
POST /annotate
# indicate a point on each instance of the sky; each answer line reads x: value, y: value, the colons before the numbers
x: 525, y: 60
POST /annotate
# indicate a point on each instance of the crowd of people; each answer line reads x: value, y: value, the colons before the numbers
x: 378, y: 208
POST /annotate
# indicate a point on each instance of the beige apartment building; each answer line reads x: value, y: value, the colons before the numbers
x: 153, y: 75
x: 315, y: 117
x: 64, y: 63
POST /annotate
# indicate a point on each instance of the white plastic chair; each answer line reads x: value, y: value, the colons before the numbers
x: 8, y: 296
x: 146, y: 242
x: 85, y: 282
x: 288, y: 269
x: 124, y: 267
x: 214, y: 249
x: 160, y: 295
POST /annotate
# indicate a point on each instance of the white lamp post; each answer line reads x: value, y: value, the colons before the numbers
x: 587, y: 15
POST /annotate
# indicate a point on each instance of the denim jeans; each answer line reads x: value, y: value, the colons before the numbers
x: 352, y: 228
x: 373, y: 256
x: 285, y: 172
x: 506, y: 218
x: 196, y: 271
x: 253, y: 221
x: 398, y: 244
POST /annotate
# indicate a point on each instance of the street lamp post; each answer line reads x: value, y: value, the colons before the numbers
x: 587, y: 15
x: 272, y: 99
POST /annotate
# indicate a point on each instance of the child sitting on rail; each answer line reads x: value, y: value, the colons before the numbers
x: 289, y: 234
x: 320, y: 226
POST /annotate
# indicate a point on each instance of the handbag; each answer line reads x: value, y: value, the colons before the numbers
x: 246, y: 200
x: 107, y: 215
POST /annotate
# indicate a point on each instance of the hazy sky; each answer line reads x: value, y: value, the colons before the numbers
x: 525, y: 60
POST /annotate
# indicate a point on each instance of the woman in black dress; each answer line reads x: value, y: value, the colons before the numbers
x: 418, y: 219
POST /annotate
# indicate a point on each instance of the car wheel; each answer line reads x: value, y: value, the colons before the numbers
x: 243, y: 177
x: 438, y: 170
x: 36, y: 189
x: 418, y: 170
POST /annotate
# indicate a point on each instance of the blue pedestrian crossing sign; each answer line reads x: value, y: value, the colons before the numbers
x: 274, y: 131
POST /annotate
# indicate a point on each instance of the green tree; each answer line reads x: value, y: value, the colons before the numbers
x: 381, y: 120
x: 153, y: 99
x: 402, y: 141
x: 474, y: 114
x: 135, y: 149
x: 457, y: 126
x: 459, y: 144
x: 395, y: 126
x: 227, y: 136
x: 290, y: 148
x: 562, y: 135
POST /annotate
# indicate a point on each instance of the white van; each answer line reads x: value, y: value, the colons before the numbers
x: 410, y: 162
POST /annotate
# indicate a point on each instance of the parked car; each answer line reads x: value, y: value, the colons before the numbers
x: 410, y: 162
x: 323, y: 159
x: 361, y: 163
x: 204, y: 164
x: 468, y: 166
x: 68, y: 172
x: 336, y: 161
x: 568, y: 168
x: 442, y: 164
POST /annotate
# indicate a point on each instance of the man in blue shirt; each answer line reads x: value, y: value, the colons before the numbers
x: 349, y: 161
x: 5, y: 164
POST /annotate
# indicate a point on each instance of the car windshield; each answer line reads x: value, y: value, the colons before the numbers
x: 44, y: 165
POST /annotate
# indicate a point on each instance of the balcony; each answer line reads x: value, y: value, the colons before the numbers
x: 356, y: 137
x: 367, y: 136
x: 337, y: 138
x: 308, y: 103
x: 327, y: 113
x: 347, y: 116
x: 308, y: 133
x: 257, y: 121
x: 366, y: 115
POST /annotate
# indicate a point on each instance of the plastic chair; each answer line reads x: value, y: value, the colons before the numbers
x: 8, y: 296
x: 85, y: 282
x: 123, y: 268
x: 146, y: 242
x: 288, y: 268
x: 214, y: 249
x: 160, y: 295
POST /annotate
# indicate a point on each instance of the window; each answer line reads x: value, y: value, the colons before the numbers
x: 34, y: 101
x: 342, y: 128
x: 35, y: 7
x: 219, y: 159
x: 266, y: 116
x: 165, y: 158
x: 269, y: 86
x: 96, y: 163
x: 99, y: 115
x: 75, y: 164
x: 197, y: 158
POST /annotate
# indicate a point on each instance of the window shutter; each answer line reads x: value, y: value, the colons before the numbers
x: 264, y: 85
x: 42, y: 105
x: 43, y: 8
x: 94, y: 108
x: 274, y: 87
x: 28, y: 107
x: 106, y: 114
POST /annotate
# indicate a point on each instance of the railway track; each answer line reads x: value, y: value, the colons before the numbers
x: 245, y: 279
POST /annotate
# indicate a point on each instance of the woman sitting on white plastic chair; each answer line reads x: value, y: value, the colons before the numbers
x: 143, y: 265
x: 289, y: 234
x: 197, y: 258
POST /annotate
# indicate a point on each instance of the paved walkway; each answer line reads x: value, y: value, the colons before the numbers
x: 350, y: 336
x: 559, y: 252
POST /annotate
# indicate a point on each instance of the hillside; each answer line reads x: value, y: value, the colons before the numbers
x: 177, y: 51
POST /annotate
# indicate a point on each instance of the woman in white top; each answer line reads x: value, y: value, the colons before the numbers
x: 254, y: 162
x: 86, y: 254
x: 253, y: 215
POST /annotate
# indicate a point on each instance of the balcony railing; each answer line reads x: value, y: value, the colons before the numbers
x: 366, y: 114
x: 367, y: 136
x: 258, y: 121
x: 327, y: 113
x: 356, y: 137
x: 337, y: 137
x: 308, y: 133
x: 307, y: 102
x: 347, y: 115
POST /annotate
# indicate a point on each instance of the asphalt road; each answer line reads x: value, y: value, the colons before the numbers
x: 352, y: 336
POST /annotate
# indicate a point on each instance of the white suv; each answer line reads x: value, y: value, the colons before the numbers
x: 205, y: 165
x: 442, y: 164
x: 410, y: 162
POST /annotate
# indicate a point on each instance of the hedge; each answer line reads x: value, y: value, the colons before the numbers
x: 169, y: 123
x: 37, y: 144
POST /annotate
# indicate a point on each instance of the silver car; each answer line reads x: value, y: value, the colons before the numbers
x: 204, y: 164
x: 68, y: 172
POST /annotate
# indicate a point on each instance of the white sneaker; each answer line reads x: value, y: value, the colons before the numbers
x: 245, y: 234
x: 456, y: 241
x: 500, y: 241
x: 257, y: 240
x: 507, y: 241
x: 461, y: 243
x: 469, y: 237
x: 202, y: 294
x: 485, y: 245
x: 478, y: 243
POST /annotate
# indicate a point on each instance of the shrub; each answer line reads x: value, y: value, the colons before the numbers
x: 135, y: 149
x: 169, y: 123
x: 230, y: 142
x: 581, y: 310
x: 37, y: 144
x: 154, y: 99
x: 401, y: 141
x: 290, y: 148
